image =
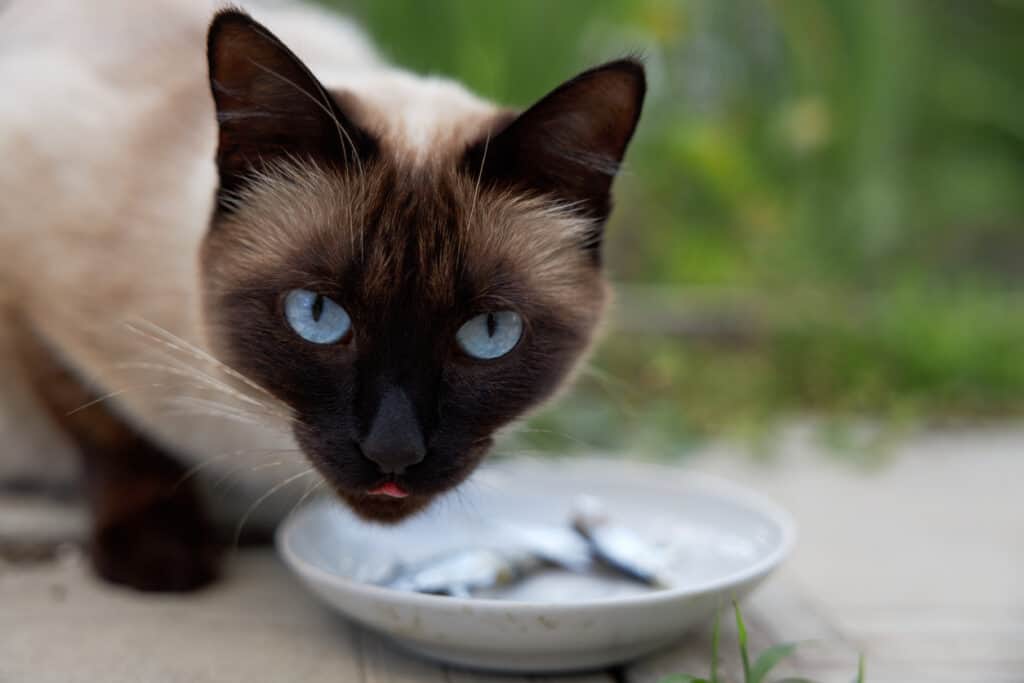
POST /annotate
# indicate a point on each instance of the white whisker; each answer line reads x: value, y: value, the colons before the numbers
x: 553, y: 432
x: 200, y: 377
x: 324, y: 105
x: 175, y: 342
x: 309, y: 491
x: 265, y: 496
x: 110, y: 395
x: 218, y: 408
x: 212, y: 460
x: 479, y: 177
x: 195, y: 411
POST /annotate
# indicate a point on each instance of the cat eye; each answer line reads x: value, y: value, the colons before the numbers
x: 316, y: 318
x: 490, y: 335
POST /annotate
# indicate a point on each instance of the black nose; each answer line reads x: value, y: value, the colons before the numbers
x: 394, y: 441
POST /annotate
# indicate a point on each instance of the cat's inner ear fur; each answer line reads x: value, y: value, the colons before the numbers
x: 569, y: 144
x: 271, y: 108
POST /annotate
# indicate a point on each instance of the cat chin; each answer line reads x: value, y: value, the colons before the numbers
x: 384, y: 510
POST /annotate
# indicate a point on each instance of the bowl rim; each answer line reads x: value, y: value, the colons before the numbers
x: 736, y: 493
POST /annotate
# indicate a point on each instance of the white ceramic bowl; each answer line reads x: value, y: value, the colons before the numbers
x: 725, y: 540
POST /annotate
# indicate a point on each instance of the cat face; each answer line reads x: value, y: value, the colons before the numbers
x: 403, y: 306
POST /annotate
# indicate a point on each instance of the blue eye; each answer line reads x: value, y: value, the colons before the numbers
x: 316, y: 318
x: 490, y: 335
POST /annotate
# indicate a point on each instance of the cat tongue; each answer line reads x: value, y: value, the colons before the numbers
x: 390, y: 489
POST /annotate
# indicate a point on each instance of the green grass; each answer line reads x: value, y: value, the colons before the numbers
x: 901, y: 359
x: 833, y: 162
x: 753, y: 672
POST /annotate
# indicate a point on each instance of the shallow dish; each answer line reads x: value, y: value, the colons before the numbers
x: 724, y: 541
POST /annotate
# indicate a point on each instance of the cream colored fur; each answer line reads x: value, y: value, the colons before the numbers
x: 106, y: 188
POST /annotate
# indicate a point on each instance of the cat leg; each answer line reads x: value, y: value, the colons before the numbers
x: 150, y: 530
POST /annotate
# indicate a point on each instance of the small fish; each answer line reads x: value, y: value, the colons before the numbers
x: 556, y: 545
x: 463, y: 572
x: 618, y: 546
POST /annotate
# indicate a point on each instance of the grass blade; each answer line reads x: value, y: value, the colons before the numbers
x: 715, y: 636
x: 767, y: 660
x: 742, y: 629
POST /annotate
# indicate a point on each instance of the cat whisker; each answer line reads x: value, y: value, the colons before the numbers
x: 194, y: 413
x: 176, y: 343
x: 619, y: 392
x: 310, y: 490
x: 479, y: 178
x: 190, y: 372
x: 197, y: 375
x: 324, y: 105
x: 190, y: 406
x: 458, y: 496
x: 266, y: 418
x: 225, y: 476
x: 228, y: 474
x: 212, y: 460
x: 564, y: 435
x: 111, y: 395
x: 261, y: 411
x: 264, y: 497
x: 211, y: 408
x: 199, y: 467
x: 603, y: 376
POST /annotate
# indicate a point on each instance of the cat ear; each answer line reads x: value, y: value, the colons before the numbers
x: 571, y: 142
x: 270, y: 107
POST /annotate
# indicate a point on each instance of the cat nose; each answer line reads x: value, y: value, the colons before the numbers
x: 395, y: 440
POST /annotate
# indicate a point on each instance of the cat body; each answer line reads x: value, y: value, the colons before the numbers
x: 150, y: 232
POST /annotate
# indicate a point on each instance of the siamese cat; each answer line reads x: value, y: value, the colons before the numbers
x: 248, y: 249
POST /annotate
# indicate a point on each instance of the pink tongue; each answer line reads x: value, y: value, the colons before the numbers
x: 389, y: 488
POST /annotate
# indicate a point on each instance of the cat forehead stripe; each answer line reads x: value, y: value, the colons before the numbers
x: 418, y: 119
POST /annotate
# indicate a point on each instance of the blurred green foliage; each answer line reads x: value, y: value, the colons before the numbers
x: 855, y: 167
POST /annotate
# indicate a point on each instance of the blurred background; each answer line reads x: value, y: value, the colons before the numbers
x: 820, y: 217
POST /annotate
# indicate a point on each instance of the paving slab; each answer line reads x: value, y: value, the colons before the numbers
x: 917, y: 563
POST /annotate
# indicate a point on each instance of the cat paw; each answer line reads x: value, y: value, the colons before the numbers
x: 165, y: 547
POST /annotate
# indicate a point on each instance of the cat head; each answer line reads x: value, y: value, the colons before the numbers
x: 404, y: 304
